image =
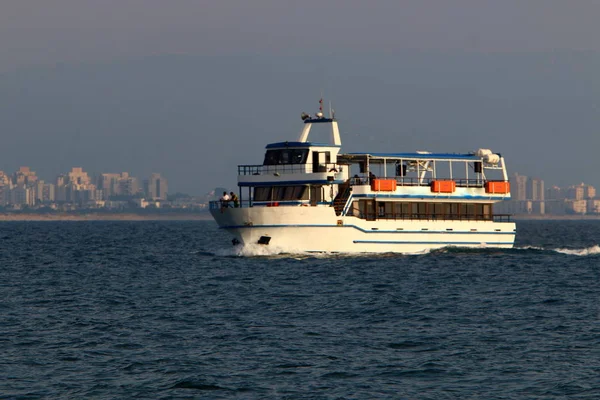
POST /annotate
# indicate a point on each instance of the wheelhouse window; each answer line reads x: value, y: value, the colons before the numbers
x: 280, y: 193
x: 286, y: 156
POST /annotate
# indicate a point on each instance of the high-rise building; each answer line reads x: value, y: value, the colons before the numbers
x: 535, y: 189
x: 24, y: 176
x: 60, y: 192
x: 156, y: 187
x: 519, y: 192
x: 49, y: 192
x: 593, y: 206
x: 555, y: 193
x: 43, y: 192
x: 128, y: 186
x: 589, y: 192
x: 4, y: 179
x: 22, y: 195
x: 576, y: 192
x: 4, y: 195
x: 121, y: 184
x: 576, y: 206
x: 109, y: 184
x: 79, y: 177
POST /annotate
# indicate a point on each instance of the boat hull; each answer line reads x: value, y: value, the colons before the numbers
x: 318, y: 229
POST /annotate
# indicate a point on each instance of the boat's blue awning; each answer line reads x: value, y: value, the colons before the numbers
x: 417, y: 156
x: 280, y: 145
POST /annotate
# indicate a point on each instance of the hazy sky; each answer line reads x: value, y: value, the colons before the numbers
x: 194, y: 88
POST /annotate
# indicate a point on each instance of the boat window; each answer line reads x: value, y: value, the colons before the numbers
x: 447, y: 208
x: 487, y: 211
x: 262, y: 193
x: 293, y: 193
x: 355, y: 209
x: 280, y: 193
x: 398, y: 208
x: 422, y: 210
x: 299, y: 193
x: 437, y: 209
x: 453, y: 209
x: 285, y: 156
x: 317, y: 194
x: 471, y: 210
x: 404, y: 209
x: 389, y: 209
x: 272, y: 157
x: 479, y: 210
x: 369, y: 209
x: 414, y: 211
x: 381, y: 209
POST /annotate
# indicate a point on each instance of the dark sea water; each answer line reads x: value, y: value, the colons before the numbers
x: 168, y: 310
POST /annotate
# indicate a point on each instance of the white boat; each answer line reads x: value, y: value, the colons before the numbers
x: 309, y: 197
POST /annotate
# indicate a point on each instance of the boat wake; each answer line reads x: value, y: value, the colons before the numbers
x: 271, y: 251
x: 252, y: 250
x: 588, y: 251
x: 256, y: 250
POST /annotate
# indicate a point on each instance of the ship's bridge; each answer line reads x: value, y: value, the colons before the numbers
x: 298, y: 161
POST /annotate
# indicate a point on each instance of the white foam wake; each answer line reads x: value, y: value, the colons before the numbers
x: 250, y: 250
x: 257, y: 250
x: 530, y: 248
x: 590, y: 251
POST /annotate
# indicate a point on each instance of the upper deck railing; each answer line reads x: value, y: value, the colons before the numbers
x: 217, y: 204
x: 413, y: 181
x: 307, y: 168
x: 362, y: 179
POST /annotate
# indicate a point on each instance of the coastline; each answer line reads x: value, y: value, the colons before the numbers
x: 528, y: 217
x: 105, y: 217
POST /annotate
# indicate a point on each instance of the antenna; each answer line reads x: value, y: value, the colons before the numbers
x: 319, y: 115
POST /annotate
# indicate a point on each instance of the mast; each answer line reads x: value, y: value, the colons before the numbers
x: 320, y: 118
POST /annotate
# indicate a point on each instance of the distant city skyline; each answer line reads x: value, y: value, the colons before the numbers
x: 530, y: 195
x: 24, y: 188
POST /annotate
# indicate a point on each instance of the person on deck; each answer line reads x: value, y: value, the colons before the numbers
x: 225, y: 201
x: 235, y: 199
x: 372, y: 177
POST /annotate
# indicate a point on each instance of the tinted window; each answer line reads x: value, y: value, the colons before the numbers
x: 280, y: 193
x: 272, y: 157
x: 286, y: 156
x: 262, y: 193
